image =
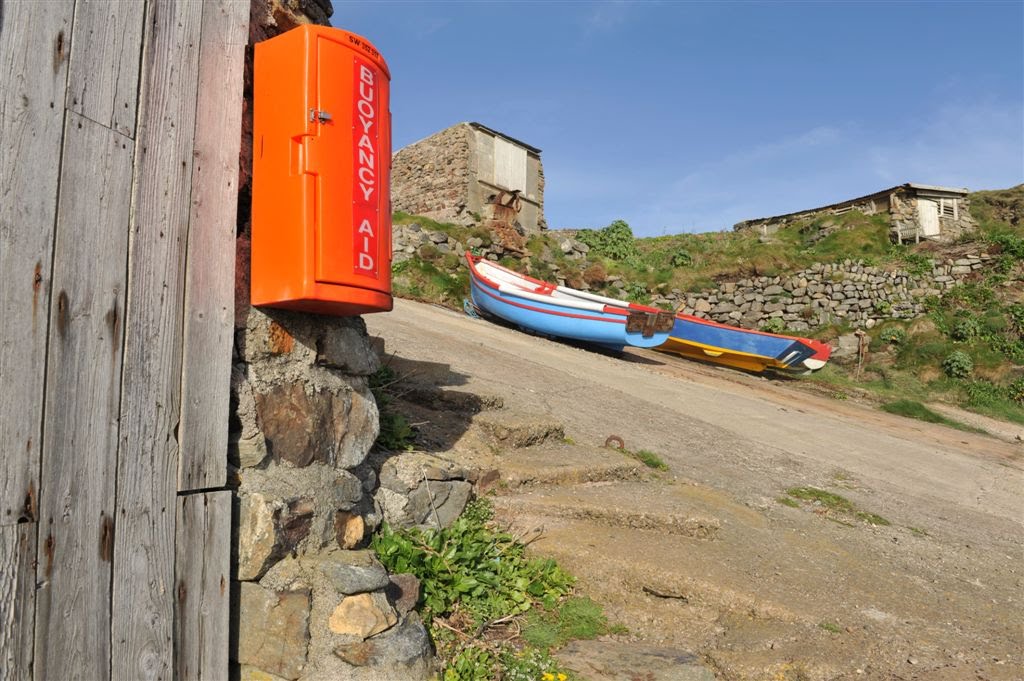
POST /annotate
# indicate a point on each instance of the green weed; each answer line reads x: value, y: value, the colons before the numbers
x: 395, y: 432
x: 915, y: 410
x: 615, y: 241
x: 477, y: 577
x: 893, y: 335
x: 485, y: 571
x: 774, y: 325
x: 835, y: 504
x: 423, y: 280
x: 574, y: 619
x: 872, y: 518
x: 651, y: 460
x: 829, y: 500
x: 647, y: 458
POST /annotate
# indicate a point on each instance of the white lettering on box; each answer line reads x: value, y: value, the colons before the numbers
x: 365, y: 137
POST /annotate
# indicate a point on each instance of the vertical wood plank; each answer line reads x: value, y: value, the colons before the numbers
x: 103, y: 83
x: 143, y: 589
x: 83, y: 387
x: 17, y: 600
x: 202, y: 573
x: 210, y: 273
x: 34, y: 41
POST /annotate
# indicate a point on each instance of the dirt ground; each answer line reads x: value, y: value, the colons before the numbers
x: 704, y: 557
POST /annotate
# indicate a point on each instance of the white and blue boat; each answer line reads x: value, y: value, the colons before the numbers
x: 563, y: 312
x: 746, y: 349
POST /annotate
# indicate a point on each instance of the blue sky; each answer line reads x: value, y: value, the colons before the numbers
x: 692, y: 116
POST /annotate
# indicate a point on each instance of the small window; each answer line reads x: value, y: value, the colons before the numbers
x: 948, y: 208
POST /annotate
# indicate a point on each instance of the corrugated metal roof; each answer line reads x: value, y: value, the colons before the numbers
x: 840, y: 204
x: 936, y: 188
x: 513, y: 140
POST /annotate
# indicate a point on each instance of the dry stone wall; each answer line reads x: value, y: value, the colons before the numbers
x: 849, y: 292
x: 314, y: 602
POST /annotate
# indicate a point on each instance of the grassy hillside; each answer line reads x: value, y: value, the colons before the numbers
x: 968, y: 350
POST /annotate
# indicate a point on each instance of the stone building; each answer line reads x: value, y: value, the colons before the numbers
x: 470, y: 173
x: 916, y: 211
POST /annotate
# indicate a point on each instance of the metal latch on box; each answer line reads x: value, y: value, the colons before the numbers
x: 321, y: 116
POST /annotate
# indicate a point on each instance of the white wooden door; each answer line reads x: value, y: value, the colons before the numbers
x: 509, y: 165
x: 928, y: 215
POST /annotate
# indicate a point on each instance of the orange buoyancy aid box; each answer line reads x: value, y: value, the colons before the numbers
x: 321, y: 198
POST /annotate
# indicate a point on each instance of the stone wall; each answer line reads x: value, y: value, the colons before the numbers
x: 443, y: 178
x: 312, y: 601
x: 848, y: 292
x: 432, y: 177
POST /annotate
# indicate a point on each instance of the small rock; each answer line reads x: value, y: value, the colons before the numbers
x: 246, y: 447
x: 363, y: 615
x: 438, y: 504
x: 350, y: 572
x: 403, y: 652
x: 273, y: 629
x: 344, y: 345
x: 257, y: 534
x: 334, y: 427
x: 404, y: 591
x: 349, y: 529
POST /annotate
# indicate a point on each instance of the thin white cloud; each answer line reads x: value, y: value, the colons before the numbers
x: 979, y: 145
x: 428, y: 27
x: 739, y: 163
x: 743, y: 184
x: 606, y: 16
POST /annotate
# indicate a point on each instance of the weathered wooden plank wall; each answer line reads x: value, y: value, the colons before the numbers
x: 17, y: 600
x: 203, y: 589
x: 33, y: 82
x: 108, y: 359
x: 103, y: 83
x: 147, y: 464
x: 83, y: 376
x: 209, y: 291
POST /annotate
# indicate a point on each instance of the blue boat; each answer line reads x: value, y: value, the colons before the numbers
x: 563, y: 312
x: 705, y: 340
